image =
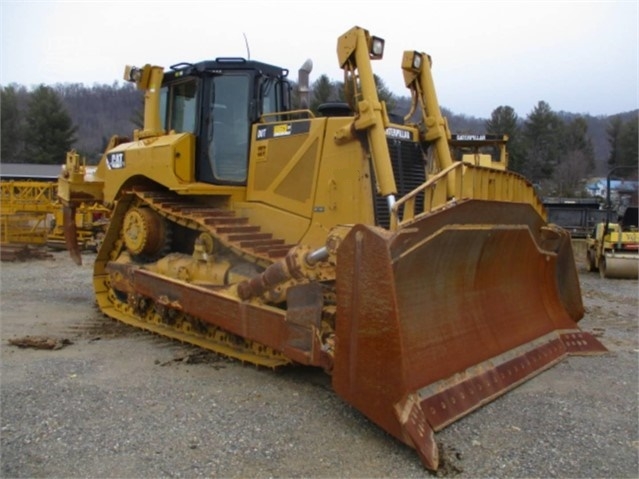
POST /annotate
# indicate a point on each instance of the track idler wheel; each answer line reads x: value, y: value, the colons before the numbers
x: 145, y: 232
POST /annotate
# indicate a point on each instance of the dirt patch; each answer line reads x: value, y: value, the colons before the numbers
x: 198, y: 356
x: 450, y: 460
x: 11, y: 252
x: 40, y: 342
x: 100, y: 327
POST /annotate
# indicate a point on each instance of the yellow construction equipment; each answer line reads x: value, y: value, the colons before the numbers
x: 481, y: 150
x: 613, y: 248
x: 25, y: 208
x: 276, y: 236
x: 91, y: 221
x: 30, y: 213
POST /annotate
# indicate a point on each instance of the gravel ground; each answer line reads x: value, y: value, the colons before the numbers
x: 122, y: 403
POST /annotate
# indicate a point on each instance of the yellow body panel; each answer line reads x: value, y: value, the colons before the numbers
x: 306, y: 184
x: 166, y: 160
x: 283, y: 168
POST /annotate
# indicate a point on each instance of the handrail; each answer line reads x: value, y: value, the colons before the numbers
x: 468, y: 182
x: 28, y: 196
x: 278, y: 116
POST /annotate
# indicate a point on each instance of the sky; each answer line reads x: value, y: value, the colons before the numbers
x: 577, y: 56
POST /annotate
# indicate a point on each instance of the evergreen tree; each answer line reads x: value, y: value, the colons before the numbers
x: 504, y: 121
x: 50, y: 132
x: 613, y: 131
x: 11, y: 127
x: 543, y: 132
x: 384, y: 94
x: 342, y: 95
x: 578, y: 140
x: 323, y: 91
x: 628, y: 144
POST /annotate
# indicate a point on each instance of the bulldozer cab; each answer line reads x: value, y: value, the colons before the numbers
x: 218, y: 101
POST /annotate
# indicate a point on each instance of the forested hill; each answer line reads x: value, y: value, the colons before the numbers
x: 597, y: 128
x: 100, y: 111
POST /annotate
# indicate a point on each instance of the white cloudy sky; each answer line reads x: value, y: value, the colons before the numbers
x: 578, y: 56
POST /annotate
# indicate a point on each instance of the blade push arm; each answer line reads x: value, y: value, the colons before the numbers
x: 355, y: 50
x: 418, y: 78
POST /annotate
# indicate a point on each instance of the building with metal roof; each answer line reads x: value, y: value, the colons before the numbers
x: 29, y: 171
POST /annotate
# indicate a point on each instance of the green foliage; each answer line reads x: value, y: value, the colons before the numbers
x: 628, y: 145
x: 504, y: 121
x: 559, y: 154
x: 613, y: 131
x: 543, y: 132
x: 384, y: 93
x: 578, y: 160
x: 576, y: 137
x: 11, y: 128
x: 49, y: 130
x: 322, y: 91
x: 622, y: 137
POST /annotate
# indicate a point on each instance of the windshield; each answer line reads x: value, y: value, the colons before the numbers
x: 228, y: 134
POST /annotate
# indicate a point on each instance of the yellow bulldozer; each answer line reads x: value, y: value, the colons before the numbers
x: 424, y: 286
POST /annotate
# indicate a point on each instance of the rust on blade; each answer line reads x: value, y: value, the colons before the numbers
x: 446, y: 401
x: 417, y: 431
x: 581, y: 343
x: 438, y: 319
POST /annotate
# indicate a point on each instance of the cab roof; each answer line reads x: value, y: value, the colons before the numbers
x: 223, y: 64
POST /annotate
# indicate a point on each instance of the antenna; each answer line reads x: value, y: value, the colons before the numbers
x: 248, y: 51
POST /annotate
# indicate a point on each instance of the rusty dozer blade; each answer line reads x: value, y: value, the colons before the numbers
x: 70, y: 233
x: 448, y: 313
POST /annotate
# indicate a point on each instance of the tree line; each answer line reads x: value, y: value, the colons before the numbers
x: 554, y: 150
x: 40, y: 125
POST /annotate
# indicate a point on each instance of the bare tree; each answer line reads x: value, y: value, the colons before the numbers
x: 570, y: 174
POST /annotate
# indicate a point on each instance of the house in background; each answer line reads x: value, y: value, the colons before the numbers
x: 621, y: 191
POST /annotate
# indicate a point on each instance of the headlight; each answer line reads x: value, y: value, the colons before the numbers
x: 412, y: 61
x: 417, y: 61
x: 377, y: 48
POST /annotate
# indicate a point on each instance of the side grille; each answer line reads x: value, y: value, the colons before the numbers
x: 409, y: 171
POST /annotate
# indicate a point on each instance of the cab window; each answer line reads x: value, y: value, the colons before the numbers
x: 178, y: 106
